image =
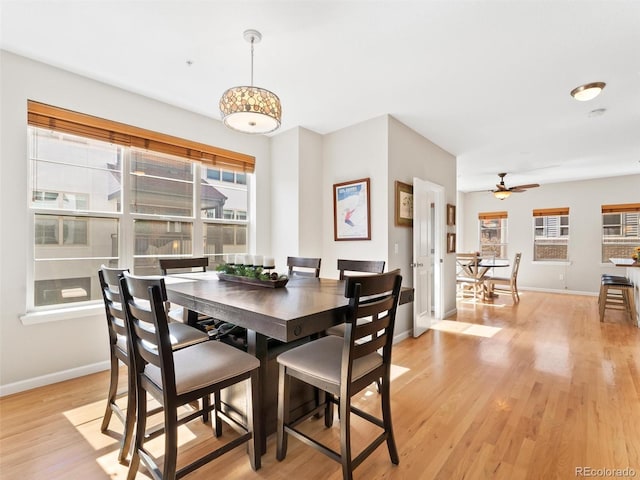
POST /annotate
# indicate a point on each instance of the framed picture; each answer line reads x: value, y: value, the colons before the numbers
x: 351, y: 210
x: 451, y: 242
x: 404, y: 204
x: 451, y: 214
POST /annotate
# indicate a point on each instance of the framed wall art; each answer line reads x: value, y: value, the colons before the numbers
x: 451, y: 214
x: 404, y: 205
x: 351, y: 210
x: 451, y: 242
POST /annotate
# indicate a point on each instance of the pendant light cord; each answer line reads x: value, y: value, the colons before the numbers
x: 252, y: 40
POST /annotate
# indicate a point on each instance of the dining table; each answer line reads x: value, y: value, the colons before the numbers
x: 298, y: 312
x: 477, y: 268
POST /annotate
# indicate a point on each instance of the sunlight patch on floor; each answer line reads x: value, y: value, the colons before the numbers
x: 466, y: 328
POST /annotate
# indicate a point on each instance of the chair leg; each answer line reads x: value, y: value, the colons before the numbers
x: 345, y: 439
x: 170, y: 443
x: 283, y: 412
x: 129, y: 419
x: 388, y: 426
x: 206, y: 403
x: 216, y: 417
x: 328, y: 410
x: 111, y: 396
x: 141, y: 426
x: 253, y: 420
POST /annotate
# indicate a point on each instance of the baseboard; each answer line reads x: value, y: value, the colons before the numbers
x: 450, y: 313
x: 51, y: 378
x: 552, y: 290
x: 401, y: 336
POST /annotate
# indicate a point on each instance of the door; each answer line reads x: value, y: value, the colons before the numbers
x: 428, y: 234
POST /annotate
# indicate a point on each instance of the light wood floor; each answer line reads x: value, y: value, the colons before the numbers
x: 532, y: 391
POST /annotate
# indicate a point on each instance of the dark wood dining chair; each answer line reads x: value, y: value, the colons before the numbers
x: 177, y: 378
x: 346, y: 267
x: 172, y: 266
x: 342, y: 367
x: 181, y: 336
x: 304, y: 266
x: 359, y: 266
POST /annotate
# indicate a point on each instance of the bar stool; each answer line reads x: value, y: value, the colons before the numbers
x: 616, y: 293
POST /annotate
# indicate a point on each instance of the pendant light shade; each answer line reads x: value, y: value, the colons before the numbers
x: 250, y: 109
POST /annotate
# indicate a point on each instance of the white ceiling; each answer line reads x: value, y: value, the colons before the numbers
x: 486, y: 80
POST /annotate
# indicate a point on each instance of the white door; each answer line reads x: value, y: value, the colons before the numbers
x: 428, y: 233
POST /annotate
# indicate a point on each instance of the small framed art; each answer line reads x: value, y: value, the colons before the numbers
x: 351, y: 210
x: 404, y: 205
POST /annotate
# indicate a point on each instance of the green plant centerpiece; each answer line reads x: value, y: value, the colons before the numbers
x: 251, y: 274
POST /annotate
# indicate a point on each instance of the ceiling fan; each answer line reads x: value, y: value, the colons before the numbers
x: 503, y: 192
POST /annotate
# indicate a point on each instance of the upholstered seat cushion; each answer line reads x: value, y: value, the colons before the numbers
x: 499, y: 279
x: 322, y: 359
x: 184, y: 336
x: 204, y: 364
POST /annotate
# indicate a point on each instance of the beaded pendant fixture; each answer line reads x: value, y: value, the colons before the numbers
x: 250, y: 109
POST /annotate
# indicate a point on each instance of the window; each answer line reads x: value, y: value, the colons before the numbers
x: 493, y: 234
x: 551, y: 234
x: 81, y: 177
x: 620, y: 230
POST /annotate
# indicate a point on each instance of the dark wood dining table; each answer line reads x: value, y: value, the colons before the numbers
x: 303, y: 308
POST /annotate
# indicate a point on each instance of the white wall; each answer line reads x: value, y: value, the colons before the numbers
x: 296, y: 195
x: 353, y: 153
x: 37, y: 353
x: 584, y: 200
x: 412, y: 155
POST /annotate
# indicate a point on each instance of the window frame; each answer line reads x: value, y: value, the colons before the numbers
x: 53, y: 119
x: 503, y: 244
x: 546, y: 214
x: 626, y: 242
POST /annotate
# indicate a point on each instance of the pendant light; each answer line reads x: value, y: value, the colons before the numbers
x: 250, y: 109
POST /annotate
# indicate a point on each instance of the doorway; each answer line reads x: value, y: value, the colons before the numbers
x: 428, y: 254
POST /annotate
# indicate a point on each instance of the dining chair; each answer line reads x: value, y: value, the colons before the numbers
x: 468, y: 274
x: 177, y: 378
x: 172, y: 266
x: 359, y: 266
x: 310, y: 266
x: 344, y: 366
x: 181, y: 336
x: 346, y: 267
x: 506, y: 284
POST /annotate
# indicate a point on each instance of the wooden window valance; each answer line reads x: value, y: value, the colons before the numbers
x: 491, y: 215
x: 68, y: 121
x: 546, y: 212
x: 621, y: 208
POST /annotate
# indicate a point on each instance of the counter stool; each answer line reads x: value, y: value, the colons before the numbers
x: 616, y: 293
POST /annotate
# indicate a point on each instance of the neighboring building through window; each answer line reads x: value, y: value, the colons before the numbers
x: 551, y: 234
x: 79, y: 185
x: 620, y: 230
x: 493, y: 234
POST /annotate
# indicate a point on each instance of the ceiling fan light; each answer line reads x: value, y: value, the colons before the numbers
x: 501, y: 194
x: 588, y: 91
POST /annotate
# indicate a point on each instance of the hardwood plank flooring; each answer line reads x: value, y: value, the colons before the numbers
x: 531, y: 391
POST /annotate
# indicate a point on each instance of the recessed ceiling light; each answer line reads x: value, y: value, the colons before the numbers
x: 588, y: 91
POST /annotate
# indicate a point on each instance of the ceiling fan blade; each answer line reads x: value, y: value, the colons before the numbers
x: 517, y: 190
x: 501, y: 186
x: 528, y: 185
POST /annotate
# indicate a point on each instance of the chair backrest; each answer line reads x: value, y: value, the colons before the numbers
x: 143, y: 299
x: 191, y: 264
x: 304, y: 262
x: 516, y: 267
x: 467, y: 263
x: 374, y: 297
x: 367, y: 266
x: 116, y: 321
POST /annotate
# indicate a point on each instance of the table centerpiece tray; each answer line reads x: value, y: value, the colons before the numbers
x: 279, y: 283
